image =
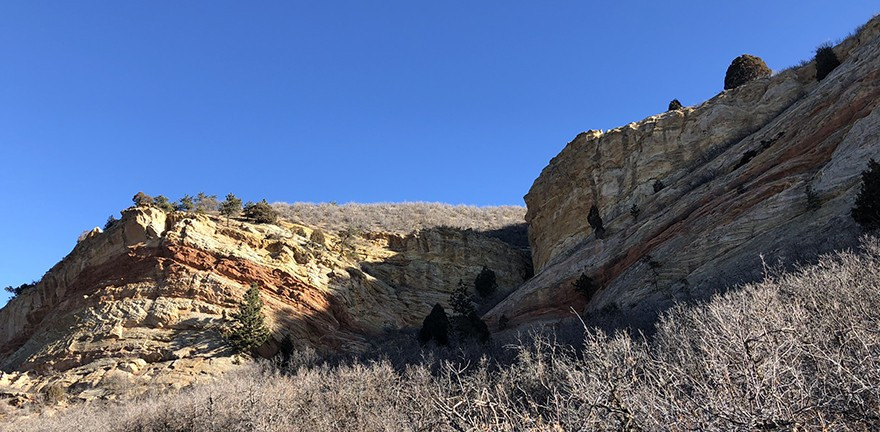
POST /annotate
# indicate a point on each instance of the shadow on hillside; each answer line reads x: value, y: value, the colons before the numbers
x: 401, y: 347
x: 205, y: 341
x: 402, y: 350
x: 516, y: 235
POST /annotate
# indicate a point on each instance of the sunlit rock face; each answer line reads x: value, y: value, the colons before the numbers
x: 691, y: 198
x: 146, y: 301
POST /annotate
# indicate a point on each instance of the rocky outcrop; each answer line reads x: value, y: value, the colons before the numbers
x: 689, y: 200
x: 146, y: 302
x: 669, y: 208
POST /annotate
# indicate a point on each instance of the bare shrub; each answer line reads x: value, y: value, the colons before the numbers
x: 799, y: 351
x: 54, y: 393
x: 586, y: 286
x: 318, y: 236
x: 116, y: 381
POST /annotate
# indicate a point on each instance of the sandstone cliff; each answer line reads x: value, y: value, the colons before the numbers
x: 690, y: 199
x: 144, y: 303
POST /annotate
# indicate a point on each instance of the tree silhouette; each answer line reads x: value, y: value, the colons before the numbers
x: 485, y: 283
x: 867, y: 207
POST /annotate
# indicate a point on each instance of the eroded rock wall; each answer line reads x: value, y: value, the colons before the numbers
x: 691, y: 199
x: 147, y: 301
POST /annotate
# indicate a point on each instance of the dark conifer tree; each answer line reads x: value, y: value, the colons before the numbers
x: 249, y: 330
x: 867, y: 207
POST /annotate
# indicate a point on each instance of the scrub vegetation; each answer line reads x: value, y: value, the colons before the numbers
x: 400, y: 217
x: 798, y: 351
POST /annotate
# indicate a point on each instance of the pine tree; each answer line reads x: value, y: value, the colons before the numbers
x: 141, y: 199
x: 435, y: 326
x: 261, y: 212
x: 460, y: 300
x: 596, y: 222
x: 485, y: 283
x: 185, y: 204
x: 162, y: 203
x: 466, y: 322
x: 867, y: 208
x: 249, y: 331
x: 286, y: 349
x: 231, y: 207
x: 826, y: 61
x: 110, y: 222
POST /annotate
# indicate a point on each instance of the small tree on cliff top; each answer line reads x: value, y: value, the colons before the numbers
x: 826, y: 61
x: 231, y: 207
x: 141, y: 199
x: 185, y: 204
x: 261, y: 212
x: 206, y: 203
x: 743, y: 69
x: 249, y: 330
x: 161, y: 202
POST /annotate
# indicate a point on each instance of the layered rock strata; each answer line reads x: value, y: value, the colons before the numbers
x: 147, y: 301
x: 691, y: 199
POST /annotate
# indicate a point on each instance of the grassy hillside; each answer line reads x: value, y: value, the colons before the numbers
x: 799, y: 351
x: 401, y: 217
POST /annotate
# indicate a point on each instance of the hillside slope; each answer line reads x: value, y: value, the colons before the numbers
x: 149, y: 297
x: 691, y: 199
x: 798, y: 351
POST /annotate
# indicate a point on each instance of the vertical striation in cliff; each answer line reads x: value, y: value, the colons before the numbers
x: 146, y: 302
x: 691, y: 199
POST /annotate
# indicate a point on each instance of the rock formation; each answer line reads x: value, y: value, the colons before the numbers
x: 145, y: 303
x: 691, y: 199
x: 669, y: 208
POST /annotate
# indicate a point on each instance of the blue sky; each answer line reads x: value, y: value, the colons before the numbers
x: 459, y: 102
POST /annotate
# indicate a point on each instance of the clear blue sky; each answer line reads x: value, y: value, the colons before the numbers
x: 459, y: 102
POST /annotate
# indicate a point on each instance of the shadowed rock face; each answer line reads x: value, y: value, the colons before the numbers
x: 149, y: 297
x: 734, y: 172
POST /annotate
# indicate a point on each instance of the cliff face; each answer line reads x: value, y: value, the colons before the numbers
x: 690, y: 201
x: 691, y: 198
x: 147, y: 300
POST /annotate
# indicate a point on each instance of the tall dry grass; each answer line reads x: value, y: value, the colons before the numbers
x: 401, y: 217
x: 799, y: 351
